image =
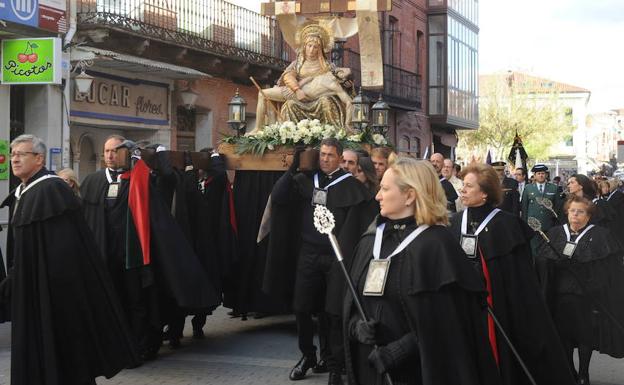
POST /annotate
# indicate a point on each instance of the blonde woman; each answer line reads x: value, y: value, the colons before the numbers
x: 424, y: 301
x: 69, y: 176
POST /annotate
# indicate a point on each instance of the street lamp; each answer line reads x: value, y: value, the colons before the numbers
x: 360, y: 116
x: 189, y: 97
x: 380, y: 116
x: 83, y: 82
x: 236, y: 114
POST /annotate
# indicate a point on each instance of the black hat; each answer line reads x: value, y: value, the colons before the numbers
x: 500, y: 163
x: 539, y: 167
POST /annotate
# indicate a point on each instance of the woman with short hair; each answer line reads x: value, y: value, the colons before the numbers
x: 497, y: 245
x: 69, y: 176
x: 581, y: 274
x: 425, y: 304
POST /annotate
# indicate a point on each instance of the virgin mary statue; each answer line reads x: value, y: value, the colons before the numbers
x: 310, y: 87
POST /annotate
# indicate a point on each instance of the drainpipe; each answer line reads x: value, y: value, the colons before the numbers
x: 72, y: 23
x: 66, y: 105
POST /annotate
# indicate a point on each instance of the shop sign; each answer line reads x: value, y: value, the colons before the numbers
x: 31, y: 61
x: 119, y: 99
x: 53, y: 15
x: 4, y: 159
x: 20, y: 11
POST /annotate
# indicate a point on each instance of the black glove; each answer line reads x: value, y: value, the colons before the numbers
x: 5, y: 289
x: 364, y: 332
x: 394, y: 354
x: 188, y: 159
x: 296, y: 156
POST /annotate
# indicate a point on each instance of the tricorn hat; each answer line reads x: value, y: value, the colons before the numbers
x: 539, y: 167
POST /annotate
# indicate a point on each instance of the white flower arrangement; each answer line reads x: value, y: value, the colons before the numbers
x: 305, y: 132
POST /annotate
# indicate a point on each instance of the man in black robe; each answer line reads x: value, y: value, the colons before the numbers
x: 174, y: 278
x: 314, y: 276
x: 511, y: 196
x: 67, y: 324
x: 437, y: 161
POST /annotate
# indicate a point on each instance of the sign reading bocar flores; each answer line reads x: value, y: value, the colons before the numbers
x: 31, y: 61
x: 116, y: 100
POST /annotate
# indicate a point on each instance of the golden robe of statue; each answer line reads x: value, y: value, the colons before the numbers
x: 310, y: 87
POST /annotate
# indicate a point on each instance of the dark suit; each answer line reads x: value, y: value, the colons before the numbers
x: 511, y: 197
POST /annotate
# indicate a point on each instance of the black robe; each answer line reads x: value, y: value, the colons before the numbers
x: 597, y: 262
x: 354, y: 208
x: 437, y: 296
x: 177, y: 268
x: 511, y: 197
x: 517, y: 300
x: 67, y: 324
x: 4, y: 306
x: 616, y: 202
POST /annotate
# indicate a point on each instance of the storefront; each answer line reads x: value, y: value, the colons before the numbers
x: 129, y: 96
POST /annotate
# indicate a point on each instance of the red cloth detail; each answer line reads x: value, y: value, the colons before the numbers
x: 491, y: 326
x: 138, y: 201
x: 228, y: 189
x: 207, y: 181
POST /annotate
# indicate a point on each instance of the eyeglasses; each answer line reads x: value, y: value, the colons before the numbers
x: 21, y: 154
x: 577, y: 211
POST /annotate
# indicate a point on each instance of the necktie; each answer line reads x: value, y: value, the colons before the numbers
x: 541, y: 188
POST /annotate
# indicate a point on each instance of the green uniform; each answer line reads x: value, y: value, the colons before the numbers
x: 531, y: 208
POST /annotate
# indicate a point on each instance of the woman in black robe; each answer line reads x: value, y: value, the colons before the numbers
x: 498, y: 246
x: 582, y: 280
x: 604, y: 215
x: 426, y: 308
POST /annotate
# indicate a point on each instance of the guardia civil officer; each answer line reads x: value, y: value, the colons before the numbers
x: 538, y: 196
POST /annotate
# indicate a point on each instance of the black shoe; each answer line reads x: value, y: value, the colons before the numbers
x: 174, y: 343
x: 302, y: 367
x: 334, y: 379
x: 320, y: 367
x: 583, y: 379
x: 149, y: 355
x: 198, y: 334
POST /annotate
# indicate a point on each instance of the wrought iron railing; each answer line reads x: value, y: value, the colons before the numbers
x: 212, y: 25
x: 399, y: 85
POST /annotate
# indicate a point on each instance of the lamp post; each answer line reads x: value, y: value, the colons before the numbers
x: 361, y: 109
x: 380, y: 116
x: 237, y: 114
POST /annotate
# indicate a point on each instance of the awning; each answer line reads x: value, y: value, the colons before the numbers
x: 103, y: 59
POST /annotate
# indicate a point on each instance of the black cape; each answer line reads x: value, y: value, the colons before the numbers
x: 518, y: 303
x: 178, y: 270
x: 290, y: 194
x: 443, y: 302
x: 511, y: 197
x: 597, y: 262
x: 68, y: 326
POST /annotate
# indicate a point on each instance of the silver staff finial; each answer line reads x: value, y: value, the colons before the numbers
x: 323, y: 219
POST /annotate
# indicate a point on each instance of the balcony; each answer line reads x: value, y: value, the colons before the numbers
x: 214, y: 27
x: 402, y: 88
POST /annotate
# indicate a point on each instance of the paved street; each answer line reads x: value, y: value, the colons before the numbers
x: 246, y: 353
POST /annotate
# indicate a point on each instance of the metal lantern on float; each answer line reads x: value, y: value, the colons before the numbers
x: 361, y: 106
x: 236, y: 114
x: 380, y: 116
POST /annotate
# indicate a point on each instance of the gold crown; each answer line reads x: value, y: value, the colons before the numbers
x: 315, y: 30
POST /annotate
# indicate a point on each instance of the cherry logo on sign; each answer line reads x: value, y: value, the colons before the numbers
x: 2, y: 158
x: 29, y: 54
